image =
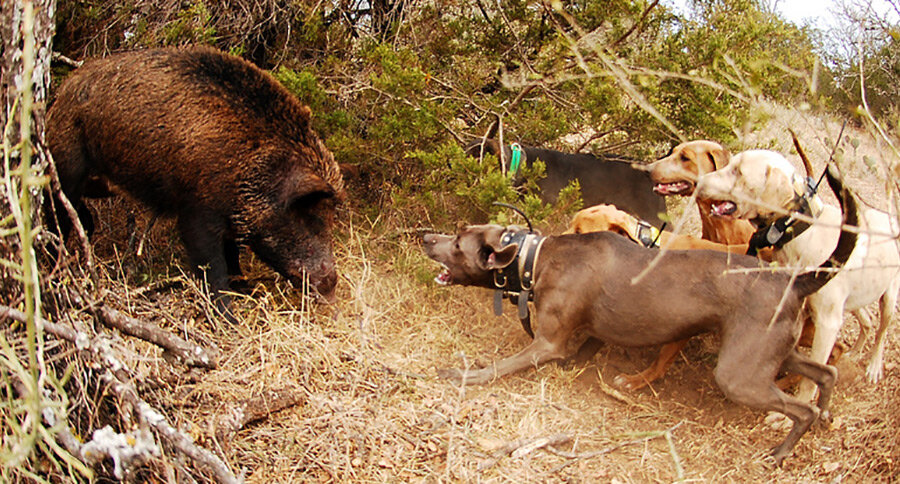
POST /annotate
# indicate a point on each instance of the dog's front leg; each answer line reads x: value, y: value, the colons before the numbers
x: 539, y: 351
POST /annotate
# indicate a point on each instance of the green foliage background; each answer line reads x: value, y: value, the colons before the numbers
x: 398, y: 85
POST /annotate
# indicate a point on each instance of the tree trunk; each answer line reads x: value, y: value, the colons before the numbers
x: 12, y: 37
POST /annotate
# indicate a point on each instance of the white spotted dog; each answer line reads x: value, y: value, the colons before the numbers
x: 762, y: 186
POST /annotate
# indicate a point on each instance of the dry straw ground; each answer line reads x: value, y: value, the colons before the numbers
x: 372, y: 409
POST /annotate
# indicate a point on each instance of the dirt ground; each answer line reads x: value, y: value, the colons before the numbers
x: 373, y: 409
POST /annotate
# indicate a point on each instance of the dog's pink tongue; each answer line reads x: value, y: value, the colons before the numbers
x: 444, y: 278
x: 723, y: 209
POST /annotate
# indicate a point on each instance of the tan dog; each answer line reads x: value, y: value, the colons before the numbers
x: 677, y: 174
x: 601, y: 218
x: 760, y: 185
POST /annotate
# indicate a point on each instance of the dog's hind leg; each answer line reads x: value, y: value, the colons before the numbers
x: 875, y: 368
x: 823, y: 376
x: 752, y: 389
x: 864, y: 318
x: 748, y: 376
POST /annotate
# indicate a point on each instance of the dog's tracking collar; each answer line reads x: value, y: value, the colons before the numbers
x: 785, y: 229
x: 517, y: 279
x: 642, y: 232
x: 647, y: 234
x: 516, y: 160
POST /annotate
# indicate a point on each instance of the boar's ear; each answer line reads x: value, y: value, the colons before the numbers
x: 499, y: 259
x: 348, y: 171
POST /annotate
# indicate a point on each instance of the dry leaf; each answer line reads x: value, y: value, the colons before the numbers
x: 489, y: 444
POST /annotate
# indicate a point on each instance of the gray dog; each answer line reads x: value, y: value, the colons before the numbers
x: 583, y: 285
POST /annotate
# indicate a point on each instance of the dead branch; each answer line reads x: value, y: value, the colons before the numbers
x: 647, y: 436
x: 59, y: 195
x: 66, y: 60
x: 149, y: 416
x: 186, y: 352
x: 636, y: 25
x: 114, y: 376
x: 58, y: 330
x: 254, y: 410
x: 522, y: 447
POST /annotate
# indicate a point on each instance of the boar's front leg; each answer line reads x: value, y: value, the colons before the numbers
x: 232, y: 258
x: 202, y: 231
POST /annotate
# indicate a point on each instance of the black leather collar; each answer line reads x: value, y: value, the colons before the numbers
x: 516, y: 280
x: 786, y: 228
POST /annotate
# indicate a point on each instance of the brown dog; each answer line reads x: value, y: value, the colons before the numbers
x: 677, y: 174
x: 754, y: 311
x: 608, y: 218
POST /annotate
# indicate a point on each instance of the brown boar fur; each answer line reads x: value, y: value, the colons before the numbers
x: 216, y: 142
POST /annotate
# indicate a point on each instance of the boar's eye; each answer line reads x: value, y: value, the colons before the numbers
x: 314, y: 210
x: 312, y: 201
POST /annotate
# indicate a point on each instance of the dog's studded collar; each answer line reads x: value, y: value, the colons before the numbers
x: 517, y: 279
x: 519, y: 275
x: 785, y: 229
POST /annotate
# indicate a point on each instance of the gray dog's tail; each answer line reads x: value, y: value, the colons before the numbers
x: 810, y: 282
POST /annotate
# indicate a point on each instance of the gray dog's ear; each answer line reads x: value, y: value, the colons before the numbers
x: 501, y: 258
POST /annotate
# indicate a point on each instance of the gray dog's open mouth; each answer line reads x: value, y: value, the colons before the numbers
x: 445, y: 278
x: 723, y: 208
x: 682, y: 187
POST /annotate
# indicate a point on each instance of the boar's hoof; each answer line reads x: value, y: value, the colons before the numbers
x: 223, y: 306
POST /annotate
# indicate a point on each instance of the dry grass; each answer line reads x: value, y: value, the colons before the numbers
x: 375, y: 412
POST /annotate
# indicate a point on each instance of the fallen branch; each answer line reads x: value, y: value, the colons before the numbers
x: 522, y: 447
x: 253, y: 410
x: 114, y: 376
x: 646, y: 436
x: 149, y: 416
x: 80, y: 340
x: 184, y: 351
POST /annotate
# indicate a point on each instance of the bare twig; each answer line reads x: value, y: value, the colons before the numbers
x: 636, y: 24
x: 646, y: 436
x: 253, y: 410
x: 60, y: 196
x: 66, y: 60
x: 149, y: 416
x: 184, y: 351
x: 522, y: 447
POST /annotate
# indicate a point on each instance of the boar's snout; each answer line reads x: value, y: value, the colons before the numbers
x: 326, y: 284
x: 321, y: 276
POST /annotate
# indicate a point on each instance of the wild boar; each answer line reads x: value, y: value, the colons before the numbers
x: 213, y: 140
